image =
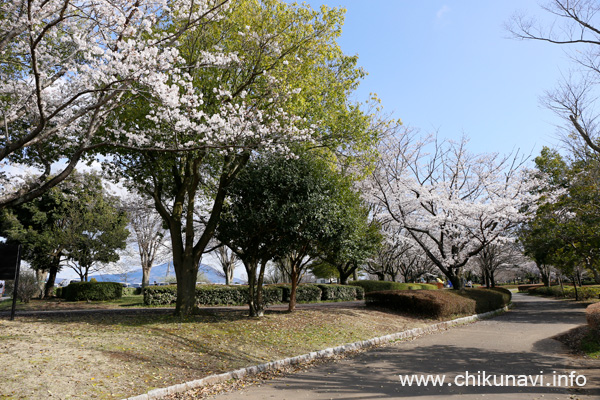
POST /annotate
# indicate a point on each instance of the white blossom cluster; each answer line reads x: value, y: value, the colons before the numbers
x: 449, y: 202
x: 66, y: 69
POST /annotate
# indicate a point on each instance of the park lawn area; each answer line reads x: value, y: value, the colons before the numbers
x: 55, y: 303
x: 112, y: 356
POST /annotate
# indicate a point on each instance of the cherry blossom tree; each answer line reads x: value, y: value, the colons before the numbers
x: 452, y: 204
x: 148, y: 232
x: 66, y: 66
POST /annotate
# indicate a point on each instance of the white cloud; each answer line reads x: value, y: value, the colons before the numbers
x: 442, y: 11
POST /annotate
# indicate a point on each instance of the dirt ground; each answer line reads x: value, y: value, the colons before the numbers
x: 115, y: 355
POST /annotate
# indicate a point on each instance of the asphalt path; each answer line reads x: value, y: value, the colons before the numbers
x: 518, y: 343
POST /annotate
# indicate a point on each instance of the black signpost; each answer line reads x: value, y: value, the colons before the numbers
x: 10, y: 265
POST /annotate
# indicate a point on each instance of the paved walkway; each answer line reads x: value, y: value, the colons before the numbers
x: 517, y: 343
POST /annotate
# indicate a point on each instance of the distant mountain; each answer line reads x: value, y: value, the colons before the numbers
x: 159, y: 273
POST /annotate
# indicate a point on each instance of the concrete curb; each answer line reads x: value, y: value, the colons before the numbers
x: 327, y: 353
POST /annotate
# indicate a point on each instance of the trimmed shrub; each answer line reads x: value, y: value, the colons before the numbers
x: 439, y: 303
x: 160, y: 295
x: 129, y: 291
x: 485, y: 299
x: 58, y: 292
x: 209, y: 295
x: 306, y: 292
x: 592, y: 314
x: 525, y: 288
x: 586, y: 292
x: 95, y: 291
x: 506, y: 294
x: 427, y: 303
x: 340, y: 292
x: 377, y: 286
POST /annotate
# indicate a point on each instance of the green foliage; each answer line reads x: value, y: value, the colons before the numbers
x: 565, y: 230
x: 129, y: 291
x: 210, y: 295
x: 431, y: 304
x: 525, y: 288
x: 486, y: 299
x: 585, y: 292
x: 341, y: 292
x: 507, y: 294
x: 305, y: 293
x: 93, y: 291
x: 439, y: 303
x: 377, y: 286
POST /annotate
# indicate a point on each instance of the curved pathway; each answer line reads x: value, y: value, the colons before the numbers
x: 516, y: 343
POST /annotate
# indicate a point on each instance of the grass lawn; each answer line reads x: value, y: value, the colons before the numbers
x: 112, y: 356
x: 60, y: 304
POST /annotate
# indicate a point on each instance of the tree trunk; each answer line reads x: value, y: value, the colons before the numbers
x: 596, y: 275
x: 295, y: 275
x: 52, y: 272
x: 574, y: 278
x: 344, y: 271
x: 492, y: 279
x: 456, y: 282
x: 255, y: 282
x: 186, y: 270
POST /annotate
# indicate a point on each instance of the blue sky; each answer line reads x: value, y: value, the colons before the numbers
x: 451, y: 67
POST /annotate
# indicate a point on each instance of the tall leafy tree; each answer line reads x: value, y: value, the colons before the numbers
x: 96, y: 226
x: 286, y: 209
x: 281, y: 81
x: 38, y: 225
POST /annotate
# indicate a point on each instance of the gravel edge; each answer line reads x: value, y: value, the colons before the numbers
x: 304, y: 358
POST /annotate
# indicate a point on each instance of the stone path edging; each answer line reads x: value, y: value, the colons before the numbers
x: 275, y: 365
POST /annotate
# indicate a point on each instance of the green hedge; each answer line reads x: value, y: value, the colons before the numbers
x: 487, y: 299
x: 507, y: 294
x: 341, y: 292
x: 427, y: 303
x: 439, y: 303
x: 129, y: 291
x: 95, y: 291
x: 305, y: 292
x: 377, y: 286
x: 585, y: 292
x: 525, y: 288
x: 210, y: 295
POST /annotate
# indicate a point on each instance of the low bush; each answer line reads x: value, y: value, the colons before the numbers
x: 129, y: 291
x: 305, y: 292
x: 58, y: 292
x: 506, y: 294
x: 427, y: 303
x: 584, y: 293
x: 377, y: 286
x: 28, y: 286
x: 439, y: 303
x: 209, y: 295
x: 592, y: 314
x: 341, y: 292
x: 525, y: 288
x: 94, y: 291
x: 486, y: 299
